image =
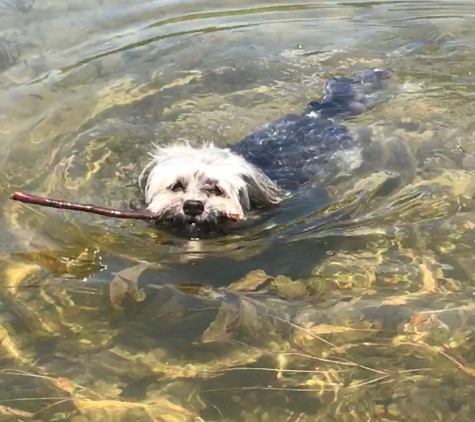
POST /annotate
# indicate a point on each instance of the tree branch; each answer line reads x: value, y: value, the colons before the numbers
x: 92, y: 209
x: 65, y: 205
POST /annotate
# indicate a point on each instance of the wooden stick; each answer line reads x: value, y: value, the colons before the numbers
x: 92, y: 209
x: 64, y: 205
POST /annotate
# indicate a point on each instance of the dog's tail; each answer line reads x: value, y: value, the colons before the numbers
x: 346, y: 97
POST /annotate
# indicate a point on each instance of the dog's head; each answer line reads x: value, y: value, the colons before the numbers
x: 197, y: 191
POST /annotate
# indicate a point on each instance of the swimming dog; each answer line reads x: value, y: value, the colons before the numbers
x: 195, y: 191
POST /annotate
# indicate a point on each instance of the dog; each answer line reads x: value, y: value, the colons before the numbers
x: 200, y: 191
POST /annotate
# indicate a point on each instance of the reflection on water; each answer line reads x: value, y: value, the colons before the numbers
x: 354, y: 306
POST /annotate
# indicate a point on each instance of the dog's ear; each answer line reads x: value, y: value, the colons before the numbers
x: 144, y: 176
x: 260, y: 190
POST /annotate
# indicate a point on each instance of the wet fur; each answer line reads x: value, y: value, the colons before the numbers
x: 243, y: 185
x: 259, y: 171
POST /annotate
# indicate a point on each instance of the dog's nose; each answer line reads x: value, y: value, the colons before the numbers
x: 193, y: 208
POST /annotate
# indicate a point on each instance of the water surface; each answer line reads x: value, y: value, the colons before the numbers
x: 307, y: 317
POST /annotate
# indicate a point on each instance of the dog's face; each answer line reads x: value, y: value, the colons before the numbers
x: 197, y: 191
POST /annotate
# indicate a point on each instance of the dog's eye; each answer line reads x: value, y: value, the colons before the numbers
x: 177, y: 187
x: 215, y: 190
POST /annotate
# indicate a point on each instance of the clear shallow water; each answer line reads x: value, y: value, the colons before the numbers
x: 306, y: 317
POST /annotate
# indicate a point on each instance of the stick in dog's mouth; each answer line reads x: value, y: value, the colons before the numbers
x: 92, y: 209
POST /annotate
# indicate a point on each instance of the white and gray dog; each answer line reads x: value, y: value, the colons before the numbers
x: 198, y: 191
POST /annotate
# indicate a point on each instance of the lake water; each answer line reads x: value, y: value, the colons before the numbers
x: 306, y: 317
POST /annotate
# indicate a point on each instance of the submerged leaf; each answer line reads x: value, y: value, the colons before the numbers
x: 250, y: 282
x: 158, y: 410
x: 64, y: 384
x: 16, y: 274
x: 17, y: 413
x: 125, y: 284
x: 118, y: 291
x: 288, y: 288
x: 242, y: 314
x: 218, y: 329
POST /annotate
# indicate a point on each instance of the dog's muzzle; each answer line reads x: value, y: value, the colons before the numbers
x: 194, y: 223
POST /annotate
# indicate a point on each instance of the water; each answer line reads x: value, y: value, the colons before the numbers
x: 303, y: 317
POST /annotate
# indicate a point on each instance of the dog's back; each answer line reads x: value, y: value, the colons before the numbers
x: 315, y: 146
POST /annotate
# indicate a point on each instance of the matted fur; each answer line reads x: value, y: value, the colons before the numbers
x: 223, y: 181
x: 224, y: 185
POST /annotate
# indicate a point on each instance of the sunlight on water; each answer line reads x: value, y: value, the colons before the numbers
x: 356, y: 308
